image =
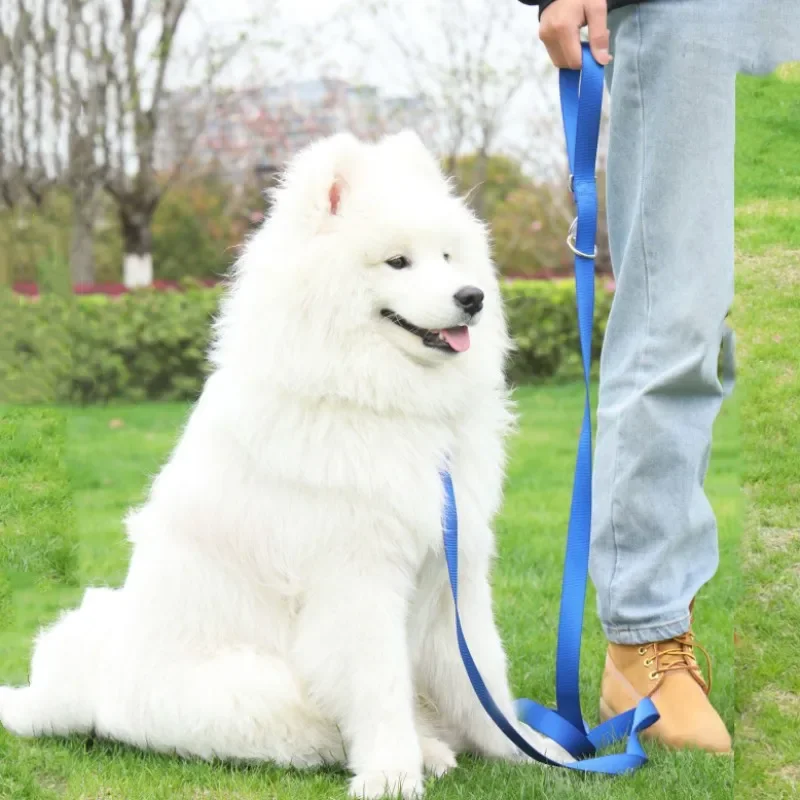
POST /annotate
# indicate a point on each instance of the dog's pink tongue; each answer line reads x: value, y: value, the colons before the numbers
x: 457, y: 338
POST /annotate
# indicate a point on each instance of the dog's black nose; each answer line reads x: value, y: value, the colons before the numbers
x: 470, y: 298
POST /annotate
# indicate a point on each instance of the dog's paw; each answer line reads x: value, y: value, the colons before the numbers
x: 387, y: 784
x: 494, y: 743
x: 437, y: 756
x: 14, y: 715
x: 491, y: 742
x: 547, y: 747
x: 507, y: 751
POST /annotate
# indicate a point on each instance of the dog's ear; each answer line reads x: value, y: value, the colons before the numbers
x: 408, y: 145
x: 335, y: 195
x: 323, y: 173
x: 343, y: 152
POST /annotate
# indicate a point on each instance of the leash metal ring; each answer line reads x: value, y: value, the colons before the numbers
x: 573, y: 229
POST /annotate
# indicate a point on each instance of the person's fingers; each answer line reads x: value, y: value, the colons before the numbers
x: 556, y: 54
x: 561, y: 36
x: 571, y: 47
x: 596, y: 16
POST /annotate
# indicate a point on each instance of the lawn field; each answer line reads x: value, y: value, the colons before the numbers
x: 69, y: 474
x: 767, y: 317
x: 108, y: 456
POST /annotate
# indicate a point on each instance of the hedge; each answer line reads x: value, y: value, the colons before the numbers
x: 151, y: 345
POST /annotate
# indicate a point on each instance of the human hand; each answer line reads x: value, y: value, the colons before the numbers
x: 560, y: 28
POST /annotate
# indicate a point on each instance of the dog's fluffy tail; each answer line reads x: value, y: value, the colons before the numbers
x: 66, y: 672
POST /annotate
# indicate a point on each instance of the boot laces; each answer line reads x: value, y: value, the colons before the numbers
x: 678, y: 655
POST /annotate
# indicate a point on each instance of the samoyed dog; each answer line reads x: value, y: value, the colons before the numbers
x: 287, y: 597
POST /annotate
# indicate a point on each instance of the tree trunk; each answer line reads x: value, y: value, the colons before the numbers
x: 137, y: 244
x: 452, y: 163
x: 81, y: 253
x: 478, y: 195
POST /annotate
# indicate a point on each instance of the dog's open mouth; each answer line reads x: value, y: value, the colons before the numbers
x: 450, y: 340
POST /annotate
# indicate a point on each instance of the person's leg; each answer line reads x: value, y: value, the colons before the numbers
x: 670, y: 220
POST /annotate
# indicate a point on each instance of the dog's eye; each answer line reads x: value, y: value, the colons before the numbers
x: 446, y: 256
x: 398, y: 262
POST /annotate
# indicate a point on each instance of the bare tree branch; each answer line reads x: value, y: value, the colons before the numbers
x: 469, y: 58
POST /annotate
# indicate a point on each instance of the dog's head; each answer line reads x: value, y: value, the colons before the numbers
x: 369, y: 255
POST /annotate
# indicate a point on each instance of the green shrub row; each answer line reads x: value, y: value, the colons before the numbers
x: 544, y: 324
x: 151, y: 345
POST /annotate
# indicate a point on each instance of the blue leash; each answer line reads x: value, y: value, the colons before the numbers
x: 581, y: 103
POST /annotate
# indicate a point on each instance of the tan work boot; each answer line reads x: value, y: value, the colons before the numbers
x: 668, y: 673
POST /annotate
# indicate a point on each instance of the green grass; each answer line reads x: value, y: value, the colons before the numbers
x: 37, y: 545
x: 112, y: 454
x: 768, y: 322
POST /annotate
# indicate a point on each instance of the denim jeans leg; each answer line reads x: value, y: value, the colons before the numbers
x: 670, y: 220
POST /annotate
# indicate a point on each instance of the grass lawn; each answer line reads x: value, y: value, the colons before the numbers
x: 73, y: 475
x: 109, y: 464
x: 767, y: 317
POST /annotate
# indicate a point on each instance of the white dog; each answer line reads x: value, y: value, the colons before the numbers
x: 287, y: 597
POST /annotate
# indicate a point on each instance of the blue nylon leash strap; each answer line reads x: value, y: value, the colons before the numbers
x: 581, y: 103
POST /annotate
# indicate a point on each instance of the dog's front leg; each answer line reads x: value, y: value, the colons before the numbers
x: 453, y: 691
x: 352, y: 649
x: 447, y: 678
x: 483, y: 638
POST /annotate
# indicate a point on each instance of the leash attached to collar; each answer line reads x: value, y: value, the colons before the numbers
x: 581, y: 104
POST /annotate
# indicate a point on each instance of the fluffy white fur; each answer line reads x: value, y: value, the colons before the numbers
x: 287, y: 596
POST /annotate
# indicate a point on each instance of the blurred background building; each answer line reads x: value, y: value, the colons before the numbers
x: 240, y: 128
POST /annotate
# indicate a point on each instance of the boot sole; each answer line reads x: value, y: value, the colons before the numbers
x: 606, y: 713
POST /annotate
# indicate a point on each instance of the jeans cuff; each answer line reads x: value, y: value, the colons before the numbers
x: 617, y: 634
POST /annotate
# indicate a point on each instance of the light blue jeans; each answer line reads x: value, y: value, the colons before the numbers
x: 670, y: 221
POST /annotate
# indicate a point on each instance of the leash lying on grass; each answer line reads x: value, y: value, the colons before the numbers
x: 581, y: 103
